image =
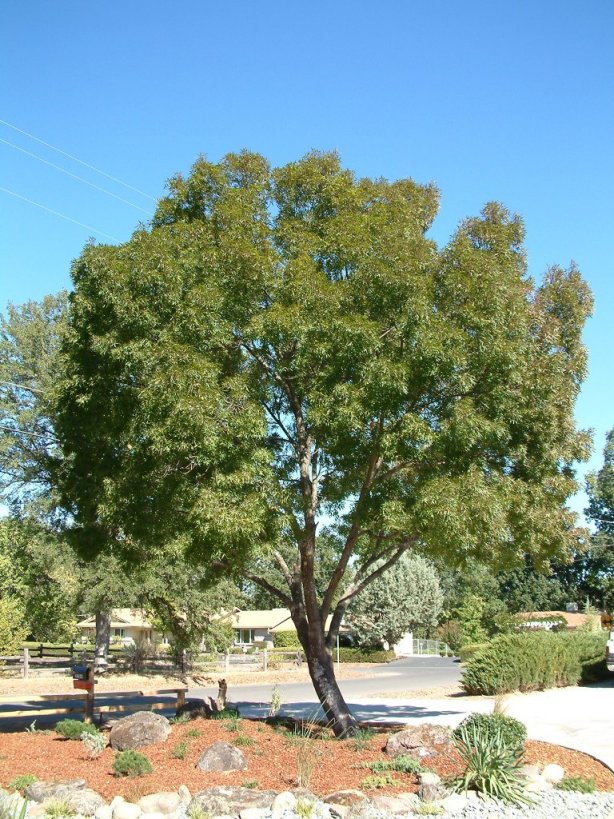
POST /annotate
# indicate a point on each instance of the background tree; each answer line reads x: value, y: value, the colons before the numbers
x: 407, y: 596
x: 287, y: 346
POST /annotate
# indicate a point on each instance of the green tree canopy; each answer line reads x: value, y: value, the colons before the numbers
x: 287, y: 346
x: 406, y: 597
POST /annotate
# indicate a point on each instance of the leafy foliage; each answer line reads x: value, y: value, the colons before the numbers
x: 493, y: 767
x: 74, y: 728
x: 405, y: 597
x: 131, y: 763
x: 580, y: 784
x: 511, y: 731
x: 285, y: 345
x: 287, y: 639
x: 534, y: 661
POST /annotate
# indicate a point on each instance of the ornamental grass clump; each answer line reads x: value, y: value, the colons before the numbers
x: 493, y: 767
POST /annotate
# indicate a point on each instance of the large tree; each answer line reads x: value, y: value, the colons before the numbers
x: 287, y: 347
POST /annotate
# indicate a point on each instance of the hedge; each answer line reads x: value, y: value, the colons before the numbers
x: 465, y: 653
x: 286, y: 639
x: 534, y: 660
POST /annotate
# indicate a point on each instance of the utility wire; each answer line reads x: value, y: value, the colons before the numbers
x: 57, y: 213
x: 74, y: 176
x: 76, y: 159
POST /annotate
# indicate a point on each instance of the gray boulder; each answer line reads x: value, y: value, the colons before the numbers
x: 419, y: 742
x: 43, y: 791
x: 348, y: 798
x: 221, y: 756
x: 85, y: 802
x: 397, y: 803
x: 138, y: 730
x: 226, y: 800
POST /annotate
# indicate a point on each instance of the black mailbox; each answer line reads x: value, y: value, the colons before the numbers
x: 80, y: 672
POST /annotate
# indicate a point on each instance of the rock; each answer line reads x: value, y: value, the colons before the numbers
x: 85, y: 802
x: 399, y: 803
x: 221, y: 756
x: 230, y: 800
x: 154, y: 815
x: 421, y: 741
x: 126, y: 810
x: 183, y: 793
x: 36, y: 809
x: 104, y: 812
x: 553, y: 773
x: 254, y: 813
x: 284, y: 801
x: 430, y: 788
x: 44, y: 791
x: 164, y: 802
x: 347, y: 798
x: 454, y: 803
x: 530, y: 772
x: 194, y: 709
x: 304, y: 793
x: 138, y: 730
x: 538, y: 785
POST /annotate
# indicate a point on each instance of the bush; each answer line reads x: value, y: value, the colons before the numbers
x: 533, y: 661
x: 466, y: 652
x: 493, y: 768
x: 21, y: 782
x: 131, y: 763
x: 512, y: 732
x: 74, y: 728
x: 287, y: 639
x: 452, y: 634
x: 364, y: 655
x: 576, y: 783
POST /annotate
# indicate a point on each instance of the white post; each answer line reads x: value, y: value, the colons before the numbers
x: 26, y: 661
x: 265, y: 659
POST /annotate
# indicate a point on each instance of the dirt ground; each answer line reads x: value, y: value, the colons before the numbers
x: 276, y: 759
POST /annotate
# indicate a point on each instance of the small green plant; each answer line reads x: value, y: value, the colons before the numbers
x: 276, y: 702
x: 243, y: 739
x: 428, y: 809
x: 512, y: 732
x: 179, y: 719
x: 576, y: 783
x: 492, y: 765
x: 74, y: 728
x: 304, y: 808
x: 249, y: 783
x: 59, y: 808
x: 226, y: 713
x: 376, y: 781
x: 94, y: 743
x: 192, y: 733
x: 198, y: 812
x: 131, y: 763
x: 32, y: 729
x: 180, y: 750
x: 20, y: 783
x: 362, y: 738
x: 400, y: 764
x: 232, y: 724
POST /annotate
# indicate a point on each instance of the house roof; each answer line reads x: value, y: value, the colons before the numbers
x: 574, y: 619
x: 121, y: 618
x: 270, y: 619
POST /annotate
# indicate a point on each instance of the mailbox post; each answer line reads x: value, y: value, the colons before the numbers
x: 83, y: 678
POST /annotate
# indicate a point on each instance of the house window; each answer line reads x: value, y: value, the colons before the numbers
x: 244, y: 636
x: 119, y: 632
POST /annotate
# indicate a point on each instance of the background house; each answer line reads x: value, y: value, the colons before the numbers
x: 127, y: 626
x: 568, y: 620
x: 262, y: 625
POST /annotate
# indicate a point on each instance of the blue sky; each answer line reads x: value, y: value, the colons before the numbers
x: 488, y: 100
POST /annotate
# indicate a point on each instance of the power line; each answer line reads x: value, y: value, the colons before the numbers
x: 74, y: 176
x: 76, y: 159
x: 57, y: 213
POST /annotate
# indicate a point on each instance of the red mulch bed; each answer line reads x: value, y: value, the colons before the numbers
x: 272, y: 761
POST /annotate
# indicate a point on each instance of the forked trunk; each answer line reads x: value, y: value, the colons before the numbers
x: 321, y: 669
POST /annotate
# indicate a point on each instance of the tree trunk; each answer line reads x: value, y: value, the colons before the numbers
x: 103, y: 638
x: 322, y: 672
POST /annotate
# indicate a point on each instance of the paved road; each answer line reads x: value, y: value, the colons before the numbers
x: 408, y: 674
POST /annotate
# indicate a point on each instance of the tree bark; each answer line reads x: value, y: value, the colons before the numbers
x: 322, y: 672
x: 103, y: 638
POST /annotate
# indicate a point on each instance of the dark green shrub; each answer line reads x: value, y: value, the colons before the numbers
x: 466, y: 652
x: 493, y: 768
x: 513, y: 733
x: 576, y: 783
x: 226, y: 713
x: 73, y: 728
x: 131, y: 763
x: 363, y: 655
x: 535, y: 660
x: 287, y: 639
